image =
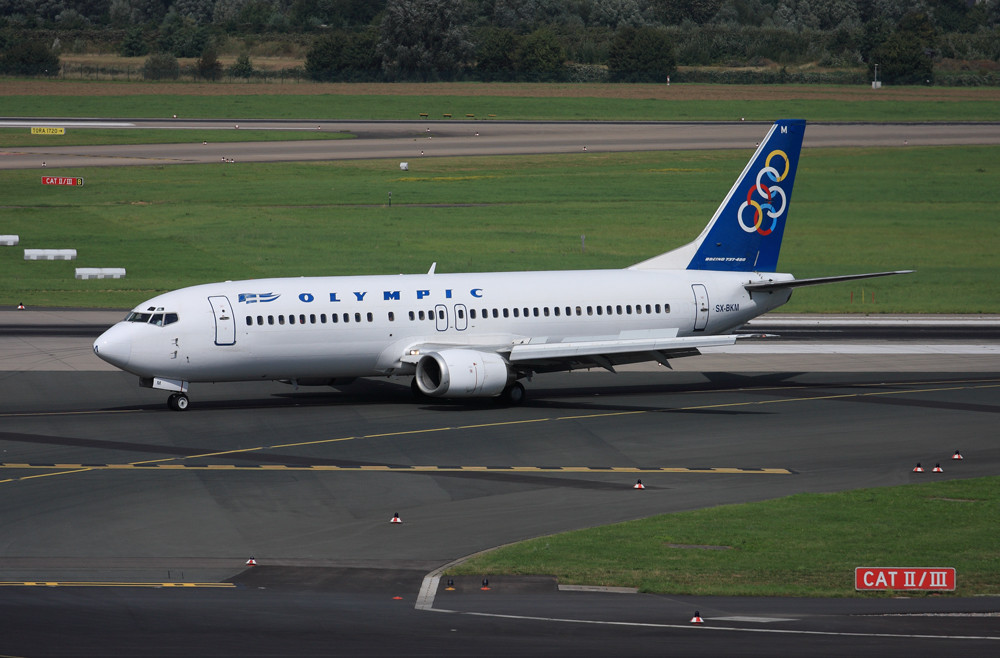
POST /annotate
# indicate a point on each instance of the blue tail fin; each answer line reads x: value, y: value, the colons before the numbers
x: 745, y: 233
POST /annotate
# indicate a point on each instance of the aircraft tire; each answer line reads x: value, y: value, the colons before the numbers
x: 178, y: 402
x: 514, y: 394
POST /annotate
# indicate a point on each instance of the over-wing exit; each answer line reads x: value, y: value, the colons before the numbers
x: 479, y: 334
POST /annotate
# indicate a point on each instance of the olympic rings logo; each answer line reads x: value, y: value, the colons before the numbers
x: 767, y: 194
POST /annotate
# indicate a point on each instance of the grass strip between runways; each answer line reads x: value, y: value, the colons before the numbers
x: 803, y: 545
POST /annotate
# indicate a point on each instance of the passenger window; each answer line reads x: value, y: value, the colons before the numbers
x: 638, y: 309
x: 517, y: 312
x: 260, y: 320
x: 579, y: 311
x: 545, y: 311
x: 421, y: 315
x: 556, y: 311
x: 357, y: 317
x: 600, y: 310
x: 312, y: 318
x: 472, y: 314
x: 657, y: 307
x: 569, y: 311
x: 249, y: 322
x: 495, y: 314
x: 369, y: 317
x: 590, y: 310
x: 392, y: 316
x: 628, y: 309
x: 281, y: 319
x: 618, y: 308
x: 648, y: 309
x: 347, y: 317
x: 334, y: 318
x: 322, y: 318
x: 270, y: 319
x: 291, y: 319
x: 666, y: 308
x: 506, y: 313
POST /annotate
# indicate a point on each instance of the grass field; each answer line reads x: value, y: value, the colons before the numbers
x: 625, y: 102
x: 854, y: 210
x: 803, y: 545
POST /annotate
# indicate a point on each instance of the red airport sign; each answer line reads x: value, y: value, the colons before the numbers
x: 940, y: 579
x: 61, y: 180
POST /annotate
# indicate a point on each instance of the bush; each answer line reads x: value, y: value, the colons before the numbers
x: 161, y: 66
x: 29, y: 58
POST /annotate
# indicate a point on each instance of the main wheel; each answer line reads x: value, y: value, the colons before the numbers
x: 513, y: 394
x: 178, y: 401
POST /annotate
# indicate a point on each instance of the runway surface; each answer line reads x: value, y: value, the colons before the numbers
x: 159, y: 511
x: 410, y: 140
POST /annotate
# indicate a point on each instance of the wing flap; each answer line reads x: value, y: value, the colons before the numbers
x: 616, y: 350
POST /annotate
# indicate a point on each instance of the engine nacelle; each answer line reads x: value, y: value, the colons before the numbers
x: 462, y: 374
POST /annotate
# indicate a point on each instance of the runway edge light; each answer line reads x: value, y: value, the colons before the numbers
x: 697, y: 618
x: 251, y: 562
x: 395, y: 518
x: 937, y: 469
x: 638, y: 485
x: 918, y: 468
x: 957, y: 456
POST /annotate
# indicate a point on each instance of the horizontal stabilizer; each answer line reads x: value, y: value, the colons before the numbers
x: 766, y: 286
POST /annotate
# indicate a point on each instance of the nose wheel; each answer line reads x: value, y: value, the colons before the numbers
x: 178, y: 402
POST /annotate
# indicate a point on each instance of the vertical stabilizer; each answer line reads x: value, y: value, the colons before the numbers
x: 745, y: 233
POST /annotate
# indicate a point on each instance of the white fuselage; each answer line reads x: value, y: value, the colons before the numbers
x: 358, y: 326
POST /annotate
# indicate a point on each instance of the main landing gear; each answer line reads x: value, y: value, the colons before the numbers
x: 178, y: 401
x: 513, y: 394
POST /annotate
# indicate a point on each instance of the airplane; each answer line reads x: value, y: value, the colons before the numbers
x: 478, y: 335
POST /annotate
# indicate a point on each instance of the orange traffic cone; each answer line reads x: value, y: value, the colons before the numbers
x: 251, y: 562
x: 697, y: 618
x: 395, y: 518
x: 937, y: 469
x: 957, y: 455
x: 918, y: 468
x: 638, y: 485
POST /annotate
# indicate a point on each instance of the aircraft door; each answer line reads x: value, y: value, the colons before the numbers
x: 461, y: 317
x: 700, y: 306
x: 225, y: 322
x: 441, y: 317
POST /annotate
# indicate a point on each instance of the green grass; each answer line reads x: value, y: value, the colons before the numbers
x: 338, y: 106
x: 854, y: 210
x: 22, y: 137
x: 803, y: 545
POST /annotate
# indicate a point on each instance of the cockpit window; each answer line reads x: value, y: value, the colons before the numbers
x: 159, y: 319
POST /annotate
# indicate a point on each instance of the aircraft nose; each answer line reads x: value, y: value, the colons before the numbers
x: 115, y: 345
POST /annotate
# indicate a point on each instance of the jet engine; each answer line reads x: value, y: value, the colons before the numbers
x: 461, y: 374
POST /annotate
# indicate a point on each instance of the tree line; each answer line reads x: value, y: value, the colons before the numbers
x: 616, y: 40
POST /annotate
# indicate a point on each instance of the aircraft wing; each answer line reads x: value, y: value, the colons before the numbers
x: 765, y: 286
x: 607, y: 352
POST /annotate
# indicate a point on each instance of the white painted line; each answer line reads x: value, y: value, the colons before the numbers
x: 779, y: 347
x: 749, y: 620
x: 65, y: 124
x: 702, y: 628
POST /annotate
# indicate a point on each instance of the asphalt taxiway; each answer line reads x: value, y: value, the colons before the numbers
x: 126, y: 527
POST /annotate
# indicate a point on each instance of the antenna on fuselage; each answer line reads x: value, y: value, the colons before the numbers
x: 433, y: 265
